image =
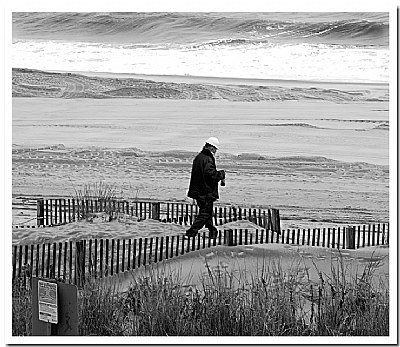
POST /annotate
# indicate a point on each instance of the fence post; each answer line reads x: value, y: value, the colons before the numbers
x: 228, y: 237
x: 155, y: 210
x: 40, y: 212
x: 80, y: 263
x: 350, y: 238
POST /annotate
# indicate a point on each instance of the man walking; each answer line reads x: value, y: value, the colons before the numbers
x: 203, y: 187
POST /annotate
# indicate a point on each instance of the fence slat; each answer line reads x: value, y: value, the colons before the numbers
x: 101, y: 258
x: 333, y: 237
x: 383, y: 234
x: 48, y: 260
x: 369, y: 235
x: 140, y: 252
x: 377, y: 234
x: 123, y: 255
x: 107, y: 265
x: 177, y: 246
x: 198, y: 241
x: 183, y: 245
x: 328, y: 241
x: 167, y: 218
x: 37, y: 260
x: 151, y: 250
x: 90, y: 267
x: 59, y: 259
x: 73, y: 211
x: 70, y: 263
x: 47, y: 212
x: 182, y: 217
x: 156, y: 251
x: 80, y: 263
x: 145, y: 251
x: 161, y: 248
x: 14, y: 262
x: 65, y: 211
x: 387, y: 234
x: 166, y: 247
x: 25, y: 265
x: 373, y: 234
x: 188, y: 245
x: 112, y: 256
x: 193, y: 244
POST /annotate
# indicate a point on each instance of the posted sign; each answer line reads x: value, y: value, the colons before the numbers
x: 47, y: 299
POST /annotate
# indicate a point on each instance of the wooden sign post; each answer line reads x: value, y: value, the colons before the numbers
x: 54, y: 308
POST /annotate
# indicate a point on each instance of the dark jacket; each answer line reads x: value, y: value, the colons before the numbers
x: 205, y: 177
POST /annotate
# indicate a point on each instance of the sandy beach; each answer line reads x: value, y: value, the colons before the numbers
x: 71, y: 130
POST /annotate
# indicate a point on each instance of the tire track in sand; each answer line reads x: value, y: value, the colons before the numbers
x: 74, y: 88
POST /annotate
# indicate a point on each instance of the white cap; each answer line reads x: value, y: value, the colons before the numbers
x: 213, y: 141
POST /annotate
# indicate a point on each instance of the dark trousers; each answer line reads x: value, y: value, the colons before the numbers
x: 205, y: 216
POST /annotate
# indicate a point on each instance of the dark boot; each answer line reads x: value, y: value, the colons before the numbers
x: 191, y: 232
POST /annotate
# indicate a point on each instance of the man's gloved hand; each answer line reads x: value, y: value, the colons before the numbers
x: 222, y: 174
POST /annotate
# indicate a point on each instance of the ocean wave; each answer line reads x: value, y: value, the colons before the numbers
x: 337, y: 28
x: 229, y: 42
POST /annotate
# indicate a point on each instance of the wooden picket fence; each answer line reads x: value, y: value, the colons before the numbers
x: 74, y: 262
x: 51, y: 212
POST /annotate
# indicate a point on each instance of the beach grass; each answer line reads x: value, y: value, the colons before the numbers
x: 21, y: 308
x: 274, y: 302
x: 102, y: 191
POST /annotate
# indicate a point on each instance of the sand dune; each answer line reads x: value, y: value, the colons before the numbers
x: 250, y: 262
